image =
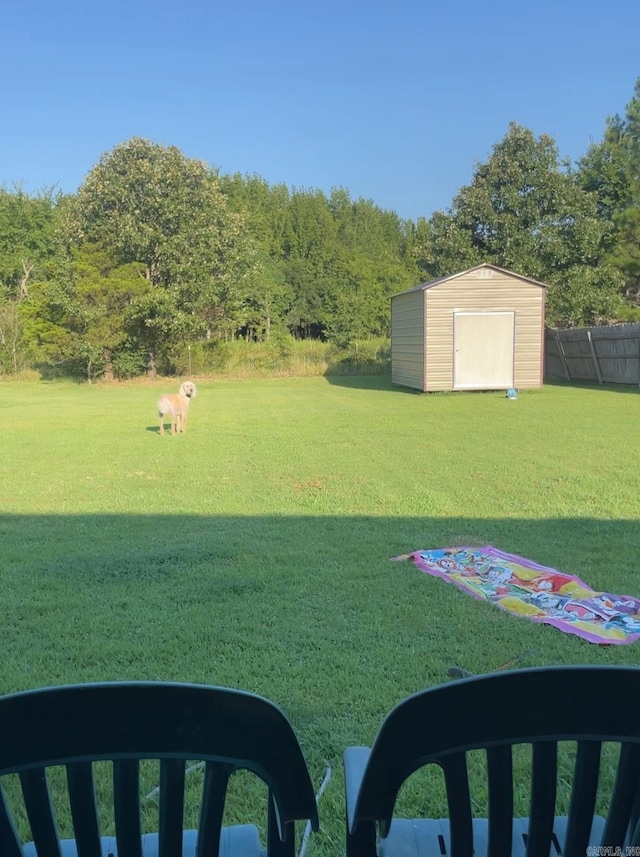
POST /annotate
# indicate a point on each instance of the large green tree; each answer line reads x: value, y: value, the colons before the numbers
x: 525, y: 211
x: 604, y: 169
x: 626, y: 254
x: 27, y: 247
x: 27, y: 237
x: 611, y: 169
x: 328, y: 264
x: 149, y: 204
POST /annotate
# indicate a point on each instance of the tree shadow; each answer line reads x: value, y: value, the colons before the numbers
x: 384, y: 383
x: 592, y: 385
x: 369, y: 382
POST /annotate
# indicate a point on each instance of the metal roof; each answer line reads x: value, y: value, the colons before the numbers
x: 423, y: 286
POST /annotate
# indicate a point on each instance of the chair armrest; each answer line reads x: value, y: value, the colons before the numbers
x: 355, y: 761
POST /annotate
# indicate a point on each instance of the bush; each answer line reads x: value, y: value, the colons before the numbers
x: 200, y: 358
x: 128, y: 365
x: 629, y: 313
x: 283, y: 346
x: 370, y: 357
x: 280, y: 355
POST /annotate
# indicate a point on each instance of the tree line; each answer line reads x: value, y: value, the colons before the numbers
x: 157, y: 252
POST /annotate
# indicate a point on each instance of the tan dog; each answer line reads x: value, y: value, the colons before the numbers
x: 177, y: 406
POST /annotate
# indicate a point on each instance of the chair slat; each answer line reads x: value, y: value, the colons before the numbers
x: 84, y: 810
x: 171, y: 816
x: 37, y: 801
x: 583, y: 798
x: 500, y: 779
x: 459, y: 801
x: 214, y: 792
x: 9, y: 840
x: 278, y: 847
x: 543, y: 798
x: 126, y: 806
x: 635, y: 819
x: 623, y: 799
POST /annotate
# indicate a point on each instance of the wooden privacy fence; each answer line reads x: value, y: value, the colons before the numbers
x: 608, y: 354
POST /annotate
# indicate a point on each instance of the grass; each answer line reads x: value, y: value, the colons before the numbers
x: 253, y: 551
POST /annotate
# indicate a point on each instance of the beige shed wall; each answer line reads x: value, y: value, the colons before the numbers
x: 407, y: 340
x: 470, y: 293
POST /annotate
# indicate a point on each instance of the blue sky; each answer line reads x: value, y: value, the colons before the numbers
x: 395, y: 101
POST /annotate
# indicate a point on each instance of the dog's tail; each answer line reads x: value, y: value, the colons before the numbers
x: 164, y: 406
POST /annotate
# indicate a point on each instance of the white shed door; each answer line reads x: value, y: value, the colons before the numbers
x: 483, y: 344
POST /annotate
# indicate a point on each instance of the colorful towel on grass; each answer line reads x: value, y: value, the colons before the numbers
x: 539, y: 593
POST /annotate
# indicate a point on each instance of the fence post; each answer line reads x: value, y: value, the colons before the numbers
x: 595, y: 359
x: 565, y: 365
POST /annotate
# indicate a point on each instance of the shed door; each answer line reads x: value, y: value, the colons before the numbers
x: 483, y: 344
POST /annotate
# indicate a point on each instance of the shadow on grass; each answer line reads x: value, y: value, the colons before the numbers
x: 308, y: 611
x: 592, y: 385
x: 369, y: 382
x: 156, y: 430
x: 384, y: 383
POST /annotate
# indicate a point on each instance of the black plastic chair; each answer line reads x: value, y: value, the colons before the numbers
x: 493, y: 713
x: 126, y: 722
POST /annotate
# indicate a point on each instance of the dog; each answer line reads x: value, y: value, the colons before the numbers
x: 177, y: 406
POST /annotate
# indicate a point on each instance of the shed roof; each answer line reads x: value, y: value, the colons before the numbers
x: 423, y: 286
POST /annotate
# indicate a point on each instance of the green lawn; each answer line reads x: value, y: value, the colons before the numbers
x: 253, y: 551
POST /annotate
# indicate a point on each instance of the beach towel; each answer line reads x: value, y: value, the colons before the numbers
x: 542, y: 594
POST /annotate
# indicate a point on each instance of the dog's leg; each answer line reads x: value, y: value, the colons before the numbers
x: 161, y: 425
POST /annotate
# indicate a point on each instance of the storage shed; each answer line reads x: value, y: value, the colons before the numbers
x: 481, y: 329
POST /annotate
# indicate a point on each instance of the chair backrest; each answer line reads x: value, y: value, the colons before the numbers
x: 539, y: 706
x: 126, y: 722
